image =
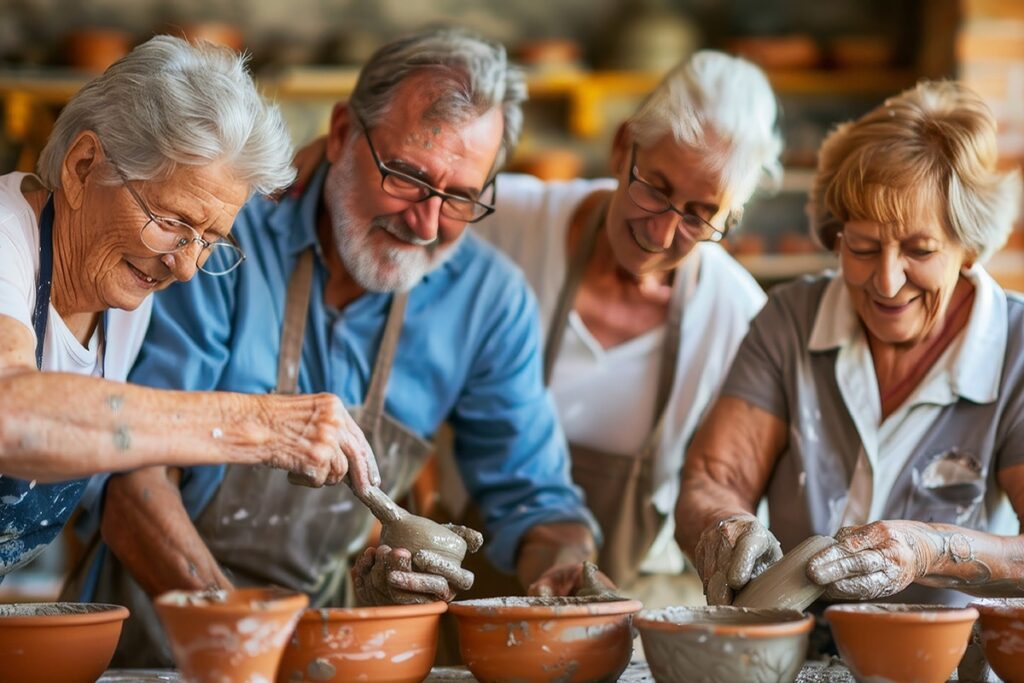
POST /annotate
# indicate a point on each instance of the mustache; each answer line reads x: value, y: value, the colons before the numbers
x: 400, y: 230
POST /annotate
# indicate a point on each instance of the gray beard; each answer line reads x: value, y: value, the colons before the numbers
x: 376, y: 268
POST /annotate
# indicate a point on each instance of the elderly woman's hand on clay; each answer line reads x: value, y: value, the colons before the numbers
x: 875, y: 560
x: 314, y: 437
x: 581, y: 579
x: 393, y: 576
x: 731, y: 553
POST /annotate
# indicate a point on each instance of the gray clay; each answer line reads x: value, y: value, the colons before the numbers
x: 785, y: 584
x: 53, y: 609
x: 401, y: 529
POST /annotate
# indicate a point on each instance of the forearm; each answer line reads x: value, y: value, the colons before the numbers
x: 974, y: 562
x: 148, y: 529
x: 548, y: 545
x: 56, y: 426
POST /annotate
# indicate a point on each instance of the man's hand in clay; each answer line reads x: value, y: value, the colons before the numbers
x: 386, y: 576
x: 582, y: 579
x: 731, y: 553
x: 875, y: 560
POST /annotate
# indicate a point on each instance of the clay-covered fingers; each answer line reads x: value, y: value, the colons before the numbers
x: 756, y: 549
x: 473, y: 538
x: 560, y: 580
x: 363, y: 582
x: 359, y: 462
x: 731, y: 553
x: 432, y: 563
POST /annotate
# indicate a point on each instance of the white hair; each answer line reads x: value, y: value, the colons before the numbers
x: 473, y: 74
x: 711, y: 99
x: 169, y: 103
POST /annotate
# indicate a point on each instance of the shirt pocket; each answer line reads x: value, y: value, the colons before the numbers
x: 948, y: 487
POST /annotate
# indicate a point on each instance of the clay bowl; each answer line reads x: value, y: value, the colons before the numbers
x: 785, y: 585
x: 1002, y: 635
x: 229, y: 636
x: 57, y: 641
x: 912, y: 643
x: 537, y: 640
x: 724, y: 644
x: 394, y: 644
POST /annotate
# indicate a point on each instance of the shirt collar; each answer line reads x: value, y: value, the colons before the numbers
x: 976, y: 369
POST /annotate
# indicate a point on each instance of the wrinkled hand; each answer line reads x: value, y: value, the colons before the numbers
x: 731, y: 553
x: 316, y: 439
x: 874, y: 560
x: 582, y: 579
x: 394, y: 576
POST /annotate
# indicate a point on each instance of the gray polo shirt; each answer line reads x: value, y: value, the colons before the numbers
x: 949, y: 476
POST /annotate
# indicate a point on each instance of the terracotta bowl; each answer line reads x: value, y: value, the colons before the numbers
x: 918, y: 643
x: 394, y: 644
x: 537, y: 640
x: 724, y: 644
x: 57, y: 641
x: 1002, y: 635
x: 785, y: 585
x: 229, y: 636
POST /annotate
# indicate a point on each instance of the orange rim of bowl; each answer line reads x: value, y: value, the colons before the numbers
x: 488, y: 608
x: 909, y: 613
x: 107, y: 613
x: 1010, y: 607
x: 273, y: 599
x: 791, y: 622
x: 320, y: 614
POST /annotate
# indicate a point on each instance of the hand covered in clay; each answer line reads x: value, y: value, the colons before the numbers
x: 394, y: 576
x: 581, y: 579
x: 874, y: 560
x: 731, y: 553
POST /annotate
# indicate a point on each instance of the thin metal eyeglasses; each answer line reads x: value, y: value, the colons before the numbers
x: 165, y: 235
x: 654, y: 201
x: 411, y: 189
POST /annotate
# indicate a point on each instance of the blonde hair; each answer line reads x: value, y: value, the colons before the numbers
x: 931, y: 148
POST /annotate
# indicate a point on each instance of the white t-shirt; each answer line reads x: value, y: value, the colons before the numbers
x: 19, y: 269
x: 605, y: 397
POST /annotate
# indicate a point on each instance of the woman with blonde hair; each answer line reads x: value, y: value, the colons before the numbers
x: 883, y: 403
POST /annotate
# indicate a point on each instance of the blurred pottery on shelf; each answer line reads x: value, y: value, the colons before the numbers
x: 94, y: 49
x: 215, y: 32
x: 550, y: 164
x: 795, y: 51
x: 861, y: 52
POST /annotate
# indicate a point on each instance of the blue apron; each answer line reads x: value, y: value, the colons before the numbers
x: 31, y: 514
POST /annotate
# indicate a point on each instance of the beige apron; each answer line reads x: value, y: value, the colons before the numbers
x: 263, y: 530
x: 619, y: 487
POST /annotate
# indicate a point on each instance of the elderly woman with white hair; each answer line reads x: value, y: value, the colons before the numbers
x: 642, y: 309
x: 882, y: 404
x: 138, y: 188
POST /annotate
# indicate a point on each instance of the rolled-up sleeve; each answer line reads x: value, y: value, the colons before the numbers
x: 509, y: 447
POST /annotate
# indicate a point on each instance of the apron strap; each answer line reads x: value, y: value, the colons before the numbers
x: 567, y: 298
x: 373, y: 404
x: 45, y: 281
x: 293, y: 328
x: 293, y: 331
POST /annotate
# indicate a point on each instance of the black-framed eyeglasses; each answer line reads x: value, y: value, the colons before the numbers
x: 165, y: 235
x: 696, y: 215
x: 411, y: 189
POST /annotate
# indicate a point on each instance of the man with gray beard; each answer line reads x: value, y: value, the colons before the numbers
x: 366, y: 284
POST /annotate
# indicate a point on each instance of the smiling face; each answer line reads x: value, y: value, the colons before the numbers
x: 386, y: 243
x: 901, y: 277
x: 124, y: 271
x: 644, y: 242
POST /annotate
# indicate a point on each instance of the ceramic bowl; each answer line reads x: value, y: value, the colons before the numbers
x: 393, y: 644
x: 1002, y: 635
x: 785, y: 585
x: 57, y: 641
x: 540, y: 640
x: 896, y: 642
x: 724, y: 644
x: 232, y: 636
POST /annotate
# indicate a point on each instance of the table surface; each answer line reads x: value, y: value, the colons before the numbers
x: 638, y: 672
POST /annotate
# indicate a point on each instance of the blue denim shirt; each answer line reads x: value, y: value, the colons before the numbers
x: 469, y: 353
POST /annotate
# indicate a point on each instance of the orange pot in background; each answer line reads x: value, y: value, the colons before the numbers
x: 94, y: 49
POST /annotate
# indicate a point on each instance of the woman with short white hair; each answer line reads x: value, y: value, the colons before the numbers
x: 882, y: 404
x: 138, y: 188
x: 641, y: 307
